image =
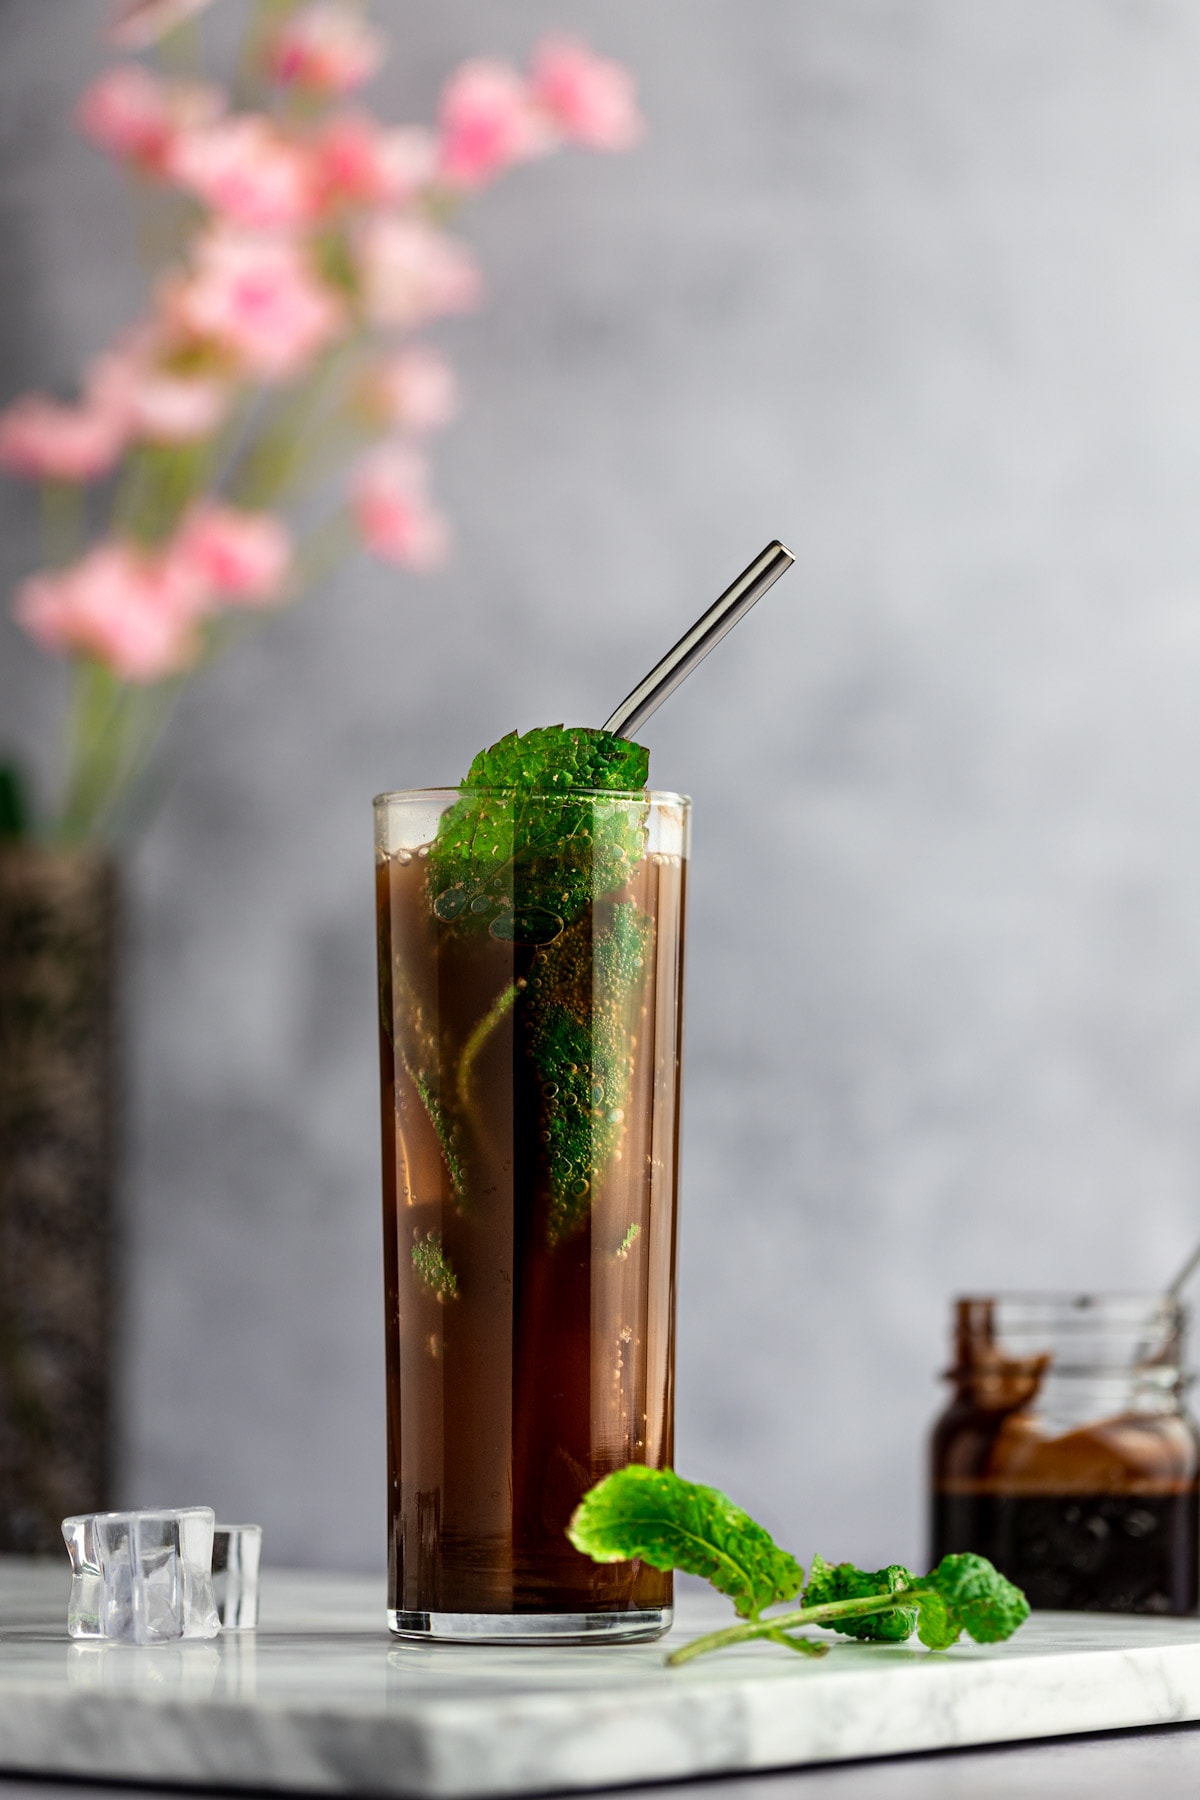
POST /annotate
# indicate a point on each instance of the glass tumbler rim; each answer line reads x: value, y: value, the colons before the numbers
x: 659, y: 796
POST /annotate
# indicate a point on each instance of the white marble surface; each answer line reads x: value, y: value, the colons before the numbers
x: 321, y: 1699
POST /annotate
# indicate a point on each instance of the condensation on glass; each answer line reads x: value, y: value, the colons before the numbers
x: 1066, y: 1455
x: 530, y: 1106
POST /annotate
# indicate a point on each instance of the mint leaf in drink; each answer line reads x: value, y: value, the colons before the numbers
x: 842, y: 1581
x: 525, y: 848
x: 582, y: 999
x: 656, y: 1516
x: 675, y: 1524
x: 553, y: 759
x: 430, y: 1262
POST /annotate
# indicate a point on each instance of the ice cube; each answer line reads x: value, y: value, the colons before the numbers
x: 142, y: 1577
x: 236, y: 1553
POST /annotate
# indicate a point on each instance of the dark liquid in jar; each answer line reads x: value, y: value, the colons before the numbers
x: 1103, y: 1517
x: 1081, y: 1552
x: 550, y: 1365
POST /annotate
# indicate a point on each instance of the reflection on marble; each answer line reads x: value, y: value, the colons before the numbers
x: 322, y: 1700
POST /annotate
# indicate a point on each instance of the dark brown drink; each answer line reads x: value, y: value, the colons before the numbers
x: 1072, y: 1466
x: 530, y: 1067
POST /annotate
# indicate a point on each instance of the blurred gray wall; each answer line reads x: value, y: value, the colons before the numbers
x: 917, y: 287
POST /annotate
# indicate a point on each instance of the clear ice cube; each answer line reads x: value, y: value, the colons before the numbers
x: 142, y: 1577
x: 237, y: 1550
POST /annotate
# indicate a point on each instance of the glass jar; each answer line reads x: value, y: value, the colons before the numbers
x: 1065, y: 1455
x: 531, y: 986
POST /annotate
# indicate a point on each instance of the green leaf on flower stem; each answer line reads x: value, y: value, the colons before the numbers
x: 14, y: 808
x: 828, y: 1582
x: 657, y: 1517
x: 526, y: 848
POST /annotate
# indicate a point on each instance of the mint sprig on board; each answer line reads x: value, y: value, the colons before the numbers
x: 671, y: 1523
x: 653, y: 1515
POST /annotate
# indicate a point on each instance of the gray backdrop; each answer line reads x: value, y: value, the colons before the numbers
x: 915, y: 286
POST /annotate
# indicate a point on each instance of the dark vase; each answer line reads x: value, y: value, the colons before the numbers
x: 57, y: 1091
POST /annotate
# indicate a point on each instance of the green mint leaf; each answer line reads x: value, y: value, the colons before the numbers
x: 830, y: 1582
x: 655, y: 1516
x: 933, y: 1624
x: 969, y: 1595
x: 429, y: 1260
x: 525, y: 849
x: 627, y: 1243
x: 582, y: 1002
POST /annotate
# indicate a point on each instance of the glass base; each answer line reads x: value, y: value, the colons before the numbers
x: 532, y: 1628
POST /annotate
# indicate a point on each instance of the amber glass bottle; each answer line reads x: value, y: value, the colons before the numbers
x: 1065, y: 1454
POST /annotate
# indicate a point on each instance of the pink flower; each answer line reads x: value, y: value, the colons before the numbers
x: 138, y: 23
x: 360, y: 164
x: 589, y: 99
x: 328, y: 48
x: 135, y: 117
x: 415, y: 390
x: 488, y: 122
x: 257, y: 298
x: 176, y: 409
x: 132, y: 611
x: 391, y: 506
x: 246, y: 169
x: 241, y: 555
x: 151, y: 401
x: 46, y: 441
x: 412, y: 273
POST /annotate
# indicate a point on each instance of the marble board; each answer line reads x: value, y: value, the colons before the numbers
x: 320, y: 1699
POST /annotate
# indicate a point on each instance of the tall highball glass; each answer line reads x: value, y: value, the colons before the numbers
x: 531, y: 987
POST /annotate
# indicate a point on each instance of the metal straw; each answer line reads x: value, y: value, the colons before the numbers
x: 704, y: 636
x: 1184, y: 1275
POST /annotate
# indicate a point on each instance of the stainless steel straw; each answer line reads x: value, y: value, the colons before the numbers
x: 704, y: 636
x: 1181, y: 1280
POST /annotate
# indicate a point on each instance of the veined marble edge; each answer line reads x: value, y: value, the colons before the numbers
x: 450, y: 1748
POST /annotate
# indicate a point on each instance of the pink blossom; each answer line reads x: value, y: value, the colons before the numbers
x: 136, y: 117
x: 257, y: 298
x: 360, y: 164
x: 166, y: 408
x: 412, y: 273
x: 132, y: 611
x: 241, y: 555
x: 414, y: 391
x: 46, y: 441
x: 248, y: 170
x: 589, y: 99
x: 138, y: 23
x: 328, y: 48
x: 147, y: 399
x: 391, y: 506
x: 488, y: 122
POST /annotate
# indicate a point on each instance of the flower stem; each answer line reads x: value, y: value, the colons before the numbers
x: 829, y: 1614
x: 113, y: 729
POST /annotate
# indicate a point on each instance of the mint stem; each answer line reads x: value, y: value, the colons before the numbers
x: 830, y: 1613
x: 479, y: 1038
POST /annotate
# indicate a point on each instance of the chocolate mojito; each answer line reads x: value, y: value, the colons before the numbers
x: 530, y: 930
